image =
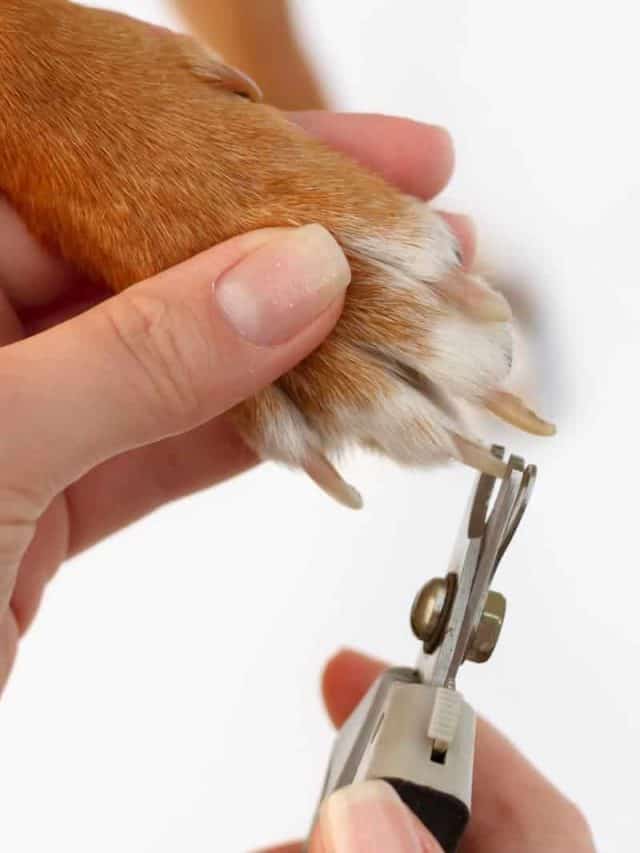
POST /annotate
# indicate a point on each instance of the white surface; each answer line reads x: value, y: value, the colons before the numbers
x: 167, y: 698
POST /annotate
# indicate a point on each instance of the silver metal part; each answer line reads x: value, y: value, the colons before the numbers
x: 401, y: 749
x: 484, y: 537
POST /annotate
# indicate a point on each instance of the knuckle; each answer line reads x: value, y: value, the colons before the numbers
x: 163, y: 354
x: 20, y: 508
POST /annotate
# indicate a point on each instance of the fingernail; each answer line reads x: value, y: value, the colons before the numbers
x: 278, y: 290
x: 371, y: 816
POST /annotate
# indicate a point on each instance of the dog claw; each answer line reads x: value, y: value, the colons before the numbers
x: 330, y: 481
x: 479, y: 457
x: 511, y: 409
x: 477, y: 299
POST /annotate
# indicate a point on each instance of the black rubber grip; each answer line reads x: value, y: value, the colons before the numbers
x: 445, y: 816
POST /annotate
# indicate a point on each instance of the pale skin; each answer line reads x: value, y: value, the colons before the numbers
x: 61, y: 461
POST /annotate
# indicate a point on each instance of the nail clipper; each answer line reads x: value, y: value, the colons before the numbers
x: 413, y: 728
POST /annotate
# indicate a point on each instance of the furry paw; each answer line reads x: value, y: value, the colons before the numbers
x: 125, y: 179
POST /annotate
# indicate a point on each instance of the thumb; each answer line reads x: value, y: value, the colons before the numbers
x: 164, y: 356
x: 366, y: 817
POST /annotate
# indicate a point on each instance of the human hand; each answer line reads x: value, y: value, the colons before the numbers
x: 112, y: 406
x: 515, y: 809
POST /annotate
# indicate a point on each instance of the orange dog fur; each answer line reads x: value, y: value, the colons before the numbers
x: 127, y: 148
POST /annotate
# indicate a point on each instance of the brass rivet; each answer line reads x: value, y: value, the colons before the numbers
x: 430, y: 611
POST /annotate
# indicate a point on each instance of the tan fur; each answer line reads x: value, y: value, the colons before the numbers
x: 126, y: 150
x: 258, y: 36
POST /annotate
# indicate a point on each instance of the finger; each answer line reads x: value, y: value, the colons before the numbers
x: 369, y: 816
x: 163, y: 357
x: 29, y: 275
x: 345, y: 680
x: 364, y: 817
x: 514, y: 806
x: 418, y: 158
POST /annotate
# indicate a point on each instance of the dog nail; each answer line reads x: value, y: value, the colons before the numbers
x: 511, y: 409
x: 330, y: 481
x: 477, y: 300
x: 479, y: 457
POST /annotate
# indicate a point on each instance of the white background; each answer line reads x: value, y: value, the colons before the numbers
x: 167, y: 698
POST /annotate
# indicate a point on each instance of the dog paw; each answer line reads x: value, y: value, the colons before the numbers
x: 419, y: 340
